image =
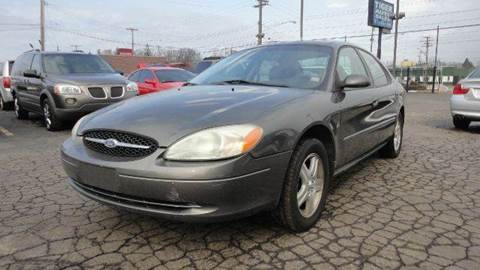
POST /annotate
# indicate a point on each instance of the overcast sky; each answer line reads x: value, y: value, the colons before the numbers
x: 209, y: 25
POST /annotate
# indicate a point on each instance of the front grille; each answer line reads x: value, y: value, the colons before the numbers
x: 139, y: 146
x: 97, y: 92
x: 116, y: 91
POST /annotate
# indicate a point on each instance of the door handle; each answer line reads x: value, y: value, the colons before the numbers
x: 375, y: 104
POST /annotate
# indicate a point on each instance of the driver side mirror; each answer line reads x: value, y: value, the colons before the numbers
x: 31, y: 73
x: 355, y: 81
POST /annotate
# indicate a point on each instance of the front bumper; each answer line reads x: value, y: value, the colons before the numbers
x: 468, y: 108
x: 185, y: 191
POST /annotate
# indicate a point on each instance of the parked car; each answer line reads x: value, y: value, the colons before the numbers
x: 65, y: 86
x: 153, y: 79
x: 206, y: 63
x: 264, y: 129
x: 6, y: 98
x: 465, y: 101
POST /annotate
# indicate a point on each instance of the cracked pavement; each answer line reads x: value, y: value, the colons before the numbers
x: 420, y: 211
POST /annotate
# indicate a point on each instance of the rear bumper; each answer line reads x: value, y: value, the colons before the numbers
x: 197, y: 192
x: 467, y: 108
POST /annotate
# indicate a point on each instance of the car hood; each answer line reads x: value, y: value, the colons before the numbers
x: 89, y: 79
x: 167, y: 116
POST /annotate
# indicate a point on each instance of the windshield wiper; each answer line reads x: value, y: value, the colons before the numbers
x: 189, y: 84
x: 249, y: 83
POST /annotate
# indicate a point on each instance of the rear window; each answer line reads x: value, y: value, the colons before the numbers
x: 475, y: 74
x: 75, y: 64
x: 174, y: 75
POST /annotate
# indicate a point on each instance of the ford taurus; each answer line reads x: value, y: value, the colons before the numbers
x: 266, y: 129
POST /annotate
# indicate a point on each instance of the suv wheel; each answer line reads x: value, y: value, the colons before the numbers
x: 49, y: 117
x: 460, y: 122
x: 19, y: 111
x: 306, y: 187
x: 394, y: 145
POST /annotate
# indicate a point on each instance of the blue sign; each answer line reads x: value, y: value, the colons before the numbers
x: 380, y: 14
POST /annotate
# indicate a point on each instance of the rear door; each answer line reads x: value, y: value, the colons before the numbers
x: 35, y: 85
x: 19, y: 82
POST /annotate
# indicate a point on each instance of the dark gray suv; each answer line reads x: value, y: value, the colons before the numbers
x: 65, y: 86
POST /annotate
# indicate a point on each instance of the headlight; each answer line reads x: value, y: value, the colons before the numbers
x: 76, y: 126
x: 132, y: 87
x: 216, y: 143
x: 65, y: 89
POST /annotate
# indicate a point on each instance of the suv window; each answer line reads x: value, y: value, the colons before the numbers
x: 36, y: 64
x: 21, y: 64
x: 378, y: 73
x: 349, y: 63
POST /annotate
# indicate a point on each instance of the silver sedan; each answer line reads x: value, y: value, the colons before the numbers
x: 465, y: 101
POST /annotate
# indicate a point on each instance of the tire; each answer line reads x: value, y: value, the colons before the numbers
x: 21, y: 113
x: 50, y: 118
x: 460, y: 122
x: 394, y: 146
x: 301, y: 217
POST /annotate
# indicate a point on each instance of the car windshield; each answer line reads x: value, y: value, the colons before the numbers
x: 174, y: 75
x: 296, y: 66
x: 75, y: 64
x: 475, y: 74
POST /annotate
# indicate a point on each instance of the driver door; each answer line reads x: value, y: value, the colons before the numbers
x: 356, y: 108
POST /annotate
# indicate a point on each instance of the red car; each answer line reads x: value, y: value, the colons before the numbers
x: 154, y: 78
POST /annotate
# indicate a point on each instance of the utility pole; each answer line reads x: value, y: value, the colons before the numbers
x: 371, y: 39
x: 427, y: 43
x: 260, y: 5
x: 301, y: 20
x: 379, y: 45
x: 42, y: 25
x: 436, y: 60
x: 398, y: 17
x: 132, y: 30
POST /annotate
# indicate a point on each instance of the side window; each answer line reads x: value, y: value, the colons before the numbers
x: 23, y: 63
x: 36, y: 64
x: 145, y: 75
x: 349, y: 63
x: 134, y: 76
x: 377, y: 71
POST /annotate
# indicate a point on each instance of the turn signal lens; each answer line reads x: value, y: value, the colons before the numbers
x: 460, y: 90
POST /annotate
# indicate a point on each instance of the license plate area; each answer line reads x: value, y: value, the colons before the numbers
x: 100, y: 177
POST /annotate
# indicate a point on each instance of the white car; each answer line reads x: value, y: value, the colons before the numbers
x: 465, y: 101
x: 6, y: 98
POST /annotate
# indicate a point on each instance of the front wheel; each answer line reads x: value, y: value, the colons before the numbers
x: 394, y: 145
x: 306, y: 187
x: 21, y: 113
x: 50, y: 119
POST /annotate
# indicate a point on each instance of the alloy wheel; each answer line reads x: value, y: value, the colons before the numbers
x: 397, y: 137
x: 47, y: 115
x: 311, y: 182
x: 17, y: 108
